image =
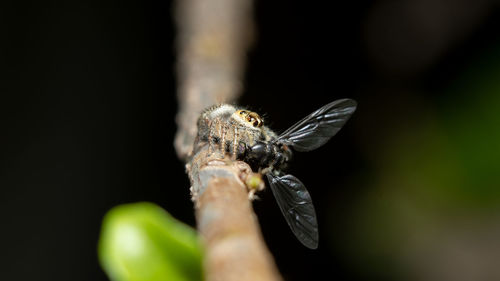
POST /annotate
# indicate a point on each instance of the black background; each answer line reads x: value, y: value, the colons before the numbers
x: 87, y: 112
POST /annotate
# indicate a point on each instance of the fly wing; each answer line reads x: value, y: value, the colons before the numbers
x: 297, y: 207
x: 318, y: 127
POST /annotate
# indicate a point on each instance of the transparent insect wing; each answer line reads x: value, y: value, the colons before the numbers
x: 318, y: 127
x: 297, y: 207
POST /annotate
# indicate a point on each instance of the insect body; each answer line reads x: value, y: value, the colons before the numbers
x: 267, y: 155
x: 242, y: 135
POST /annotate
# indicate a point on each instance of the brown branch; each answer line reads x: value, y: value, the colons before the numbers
x: 213, y: 37
x: 234, y: 246
x: 212, y: 41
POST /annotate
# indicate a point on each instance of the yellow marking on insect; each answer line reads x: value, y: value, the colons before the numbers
x: 250, y: 118
x: 254, y: 183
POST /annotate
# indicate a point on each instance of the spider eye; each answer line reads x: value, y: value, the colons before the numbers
x: 242, y: 112
x: 255, y: 124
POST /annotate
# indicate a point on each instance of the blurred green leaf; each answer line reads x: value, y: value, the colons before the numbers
x: 432, y: 198
x: 470, y: 118
x: 142, y: 242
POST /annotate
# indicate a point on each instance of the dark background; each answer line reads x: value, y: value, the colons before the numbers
x: 87, y: 106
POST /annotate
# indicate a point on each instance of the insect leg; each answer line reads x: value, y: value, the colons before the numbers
x: 222, y: 143
x: 235, y: 142
x: 210, y: 136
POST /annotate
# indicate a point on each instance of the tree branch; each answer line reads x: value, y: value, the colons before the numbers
x: 234, y: 247
x: 213, y: 37
x: 212, y: 41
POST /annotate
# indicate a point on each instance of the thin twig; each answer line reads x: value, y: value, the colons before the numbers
x: 212, y: 41
x: 234, y: 246
x: 213, y: 37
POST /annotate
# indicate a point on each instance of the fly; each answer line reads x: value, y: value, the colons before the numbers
x: 246, y: 138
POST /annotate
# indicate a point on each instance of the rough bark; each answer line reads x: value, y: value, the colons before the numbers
x: 213, y: 37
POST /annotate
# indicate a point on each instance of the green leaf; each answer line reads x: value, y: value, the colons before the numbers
x: 142, y: 242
